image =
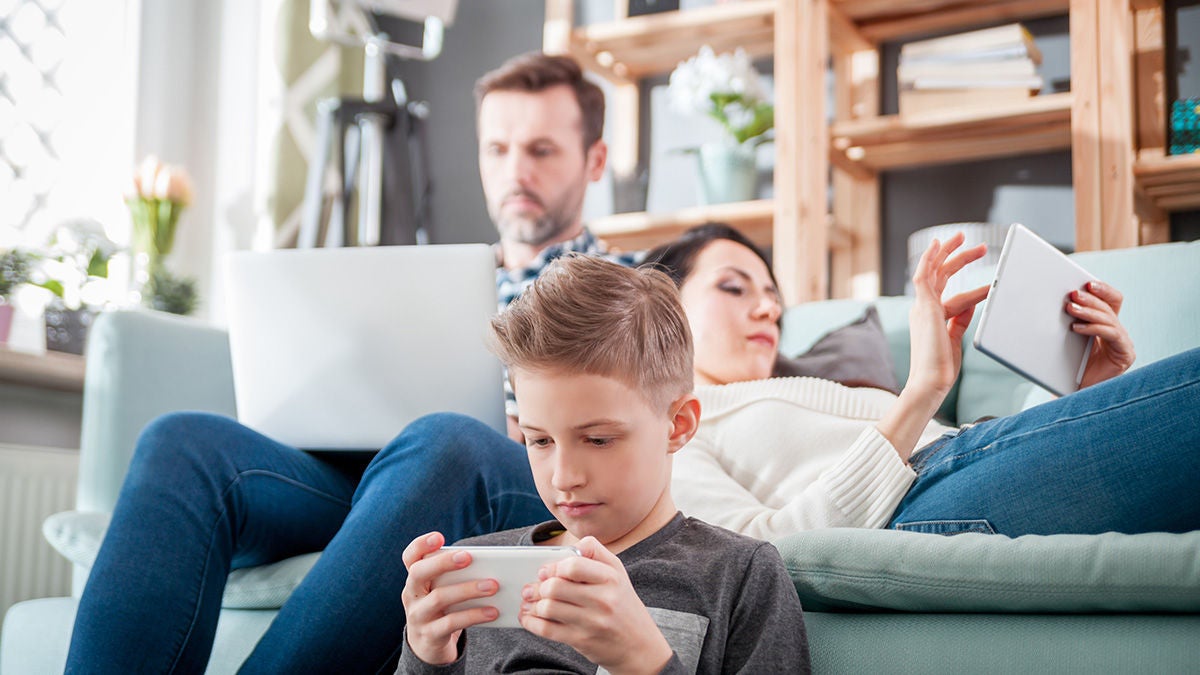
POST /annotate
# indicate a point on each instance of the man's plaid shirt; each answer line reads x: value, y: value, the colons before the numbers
x: 511, y: 283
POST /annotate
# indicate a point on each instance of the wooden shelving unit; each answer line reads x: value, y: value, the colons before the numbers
x: 632, y: 231
x: 891, y: 141
x: 1162, y: 183
x: 1171, y: 182
x: 1113, y: 120
x: 640, y: 46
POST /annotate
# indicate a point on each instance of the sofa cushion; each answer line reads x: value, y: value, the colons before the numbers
x: 77, y: 536
x: 855, y: 569
x: 855, y: 354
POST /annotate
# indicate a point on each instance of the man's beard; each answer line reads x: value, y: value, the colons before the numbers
x: 534, y: 231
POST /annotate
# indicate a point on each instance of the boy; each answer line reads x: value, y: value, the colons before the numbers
x: 600, y: 358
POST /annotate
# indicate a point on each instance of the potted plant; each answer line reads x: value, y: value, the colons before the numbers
x: 726, y: 88
x: 15, y: 267
x: 74, y: 269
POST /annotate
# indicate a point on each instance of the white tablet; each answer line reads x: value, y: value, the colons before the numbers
x: 1024, y: 325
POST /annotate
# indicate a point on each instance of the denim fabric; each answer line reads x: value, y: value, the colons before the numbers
x: 205, y: 495
x: 1121, y: 456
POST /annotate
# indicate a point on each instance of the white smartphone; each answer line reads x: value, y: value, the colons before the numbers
x: 511, y: 566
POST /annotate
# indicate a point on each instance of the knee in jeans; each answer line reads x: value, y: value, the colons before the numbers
x: 176, y: 440
x: 447, y: 438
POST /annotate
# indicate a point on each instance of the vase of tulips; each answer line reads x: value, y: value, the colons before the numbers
x: 157, y: 198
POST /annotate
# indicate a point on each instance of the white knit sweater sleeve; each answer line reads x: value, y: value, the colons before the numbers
x: 756, y: 488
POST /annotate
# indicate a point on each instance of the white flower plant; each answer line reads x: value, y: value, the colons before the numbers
x: 727, y: 88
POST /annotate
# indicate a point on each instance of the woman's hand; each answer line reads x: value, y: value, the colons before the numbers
x: 1095, y: 309
x: 936, y: 329
x: 937, y: 326
x: 588, y: 603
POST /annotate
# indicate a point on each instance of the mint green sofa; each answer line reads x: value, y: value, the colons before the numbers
x: 877, y: 601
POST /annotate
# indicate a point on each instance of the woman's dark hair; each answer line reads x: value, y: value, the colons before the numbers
x: 677, y: 257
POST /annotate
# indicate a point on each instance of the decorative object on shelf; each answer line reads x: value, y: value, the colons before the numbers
x: 978, y: 69
x: 74, y: 269
x: 727, y: 88
x: 975, y: 273
x: 158, y: 196
x: 727, y: 173
x: 640, y: 7
x: 15, y: 266
x: 1185, y: 126
x: 166, y: 292
x: 66, y: 329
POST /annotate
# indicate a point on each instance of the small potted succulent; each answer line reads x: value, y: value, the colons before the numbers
x: 15, y: 268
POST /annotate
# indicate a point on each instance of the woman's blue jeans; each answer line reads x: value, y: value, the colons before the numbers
x: 205, y: 495
x: 1120, y: 456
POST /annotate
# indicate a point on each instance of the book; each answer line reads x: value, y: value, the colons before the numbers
x: 1011, y: 36
x: 1034, y: 82
x: 1007, y: 69
x: 992, y: 54
x: 922, y: 101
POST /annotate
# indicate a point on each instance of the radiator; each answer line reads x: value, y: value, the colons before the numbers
x: 34, y: 483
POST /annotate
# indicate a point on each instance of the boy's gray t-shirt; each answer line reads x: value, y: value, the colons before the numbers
x: 723, y: 601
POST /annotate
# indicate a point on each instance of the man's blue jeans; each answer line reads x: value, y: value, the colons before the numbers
x: 205, y: 495
x: 1122, y: 456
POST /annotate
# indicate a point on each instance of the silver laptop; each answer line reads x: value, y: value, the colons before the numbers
x: 1024, y: 325
x: 340, y: 349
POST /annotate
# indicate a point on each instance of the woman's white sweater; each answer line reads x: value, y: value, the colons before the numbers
x: 774, y: 457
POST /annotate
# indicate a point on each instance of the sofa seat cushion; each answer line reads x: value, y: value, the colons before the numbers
x: 856, y: 569
x: 77, y: 536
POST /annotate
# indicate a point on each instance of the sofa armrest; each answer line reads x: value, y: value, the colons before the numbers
x: 142, y: 364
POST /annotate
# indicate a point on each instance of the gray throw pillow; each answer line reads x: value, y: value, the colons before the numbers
x: 856, y: 355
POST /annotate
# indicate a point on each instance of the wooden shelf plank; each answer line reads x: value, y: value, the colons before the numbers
x: 634, y: 231
x: 1172, y: 182
x: 939, y: 124
x: 886, y: 20
x: 893, y: 141
x: 52, y: 370
x: 654, y: 44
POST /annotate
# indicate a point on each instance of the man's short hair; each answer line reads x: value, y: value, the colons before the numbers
x: 535, y: 72
x: 589, y: 316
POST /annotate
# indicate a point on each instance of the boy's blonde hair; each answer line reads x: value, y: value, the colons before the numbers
x: 586, y: 315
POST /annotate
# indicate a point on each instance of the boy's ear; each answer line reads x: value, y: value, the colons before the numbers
x: 684, y: 421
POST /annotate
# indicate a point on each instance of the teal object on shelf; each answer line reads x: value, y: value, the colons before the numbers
x: 727, y: 173
x: 1185, y: 126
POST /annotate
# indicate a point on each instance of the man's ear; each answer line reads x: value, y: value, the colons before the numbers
x: 596, y: 160
x: 684, y: 421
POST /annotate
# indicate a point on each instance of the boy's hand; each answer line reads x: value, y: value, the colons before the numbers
x: 432, y: 633
x: 588, y: 603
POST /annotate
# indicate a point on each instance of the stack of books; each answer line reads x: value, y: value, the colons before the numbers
x: 982, y: 68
